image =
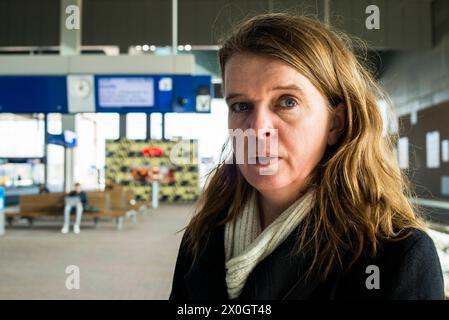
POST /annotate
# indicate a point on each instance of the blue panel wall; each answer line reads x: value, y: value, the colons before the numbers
x: 29, y: 94
x: 45, y: 94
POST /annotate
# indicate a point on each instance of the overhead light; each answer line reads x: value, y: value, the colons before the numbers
x: 153, y: 48
x: 181, y: 48
x: 145, y: 47
x: 187, y: 47
x: 138, y: 48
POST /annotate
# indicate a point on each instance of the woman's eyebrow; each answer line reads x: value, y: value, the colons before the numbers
x: 284, y: 87
x: 233, y: 95
x: 289, y: 87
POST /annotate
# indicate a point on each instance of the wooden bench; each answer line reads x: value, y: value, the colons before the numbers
x: 40, y: 205
x: 127, y: 200
x: 109, y: 205
x: 119, y: 203
x: 52, y: 205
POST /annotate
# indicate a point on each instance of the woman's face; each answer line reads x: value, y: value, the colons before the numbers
x: 267, y: 95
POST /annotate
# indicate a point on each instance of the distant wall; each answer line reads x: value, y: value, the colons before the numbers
x: 418, y: 83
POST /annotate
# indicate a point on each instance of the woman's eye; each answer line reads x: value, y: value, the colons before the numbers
x: 239, y: 107
x: 288, y: 102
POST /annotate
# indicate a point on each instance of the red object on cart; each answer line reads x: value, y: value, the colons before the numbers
x: 153, y: 152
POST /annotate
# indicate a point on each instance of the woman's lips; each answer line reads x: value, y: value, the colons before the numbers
x: 264, y: 161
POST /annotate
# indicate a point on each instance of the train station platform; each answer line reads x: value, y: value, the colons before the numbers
x: 134, y: 263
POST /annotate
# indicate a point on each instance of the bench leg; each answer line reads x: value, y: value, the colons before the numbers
x: 119, y: 221
x: 96, y: 221
x: 10, y: 220
x: 30, y: 222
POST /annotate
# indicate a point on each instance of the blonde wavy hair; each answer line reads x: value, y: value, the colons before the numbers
x: 362, y: 196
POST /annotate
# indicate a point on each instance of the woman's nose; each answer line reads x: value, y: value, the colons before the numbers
x: 261, y: 121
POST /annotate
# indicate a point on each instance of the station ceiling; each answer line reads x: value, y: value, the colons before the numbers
x: 404, y: 24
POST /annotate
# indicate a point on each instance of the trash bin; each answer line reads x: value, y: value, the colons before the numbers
x: 2, y: 211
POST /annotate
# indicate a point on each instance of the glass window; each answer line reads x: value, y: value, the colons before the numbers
x: 156, y: 126
x: 210, y: 129
x: 22, y: 136
x: 54, y: 123
x: 109, y: 124
x: 136, y: 126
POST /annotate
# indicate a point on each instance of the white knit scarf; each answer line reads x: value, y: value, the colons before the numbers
x: 246, y: 245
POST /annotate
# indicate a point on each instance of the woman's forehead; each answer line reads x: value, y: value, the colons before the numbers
x: 248, y: 72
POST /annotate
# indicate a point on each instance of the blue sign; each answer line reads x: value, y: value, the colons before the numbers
x: 66, y: 139
x: 148, y: 94
x: 30, y: 94
x: 125, y: 92
x: 2, y: 198
x: 2, y: 214
x: 188, y: 90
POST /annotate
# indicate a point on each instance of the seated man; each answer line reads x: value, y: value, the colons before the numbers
x: 43, y: 189
x: 76, y: 199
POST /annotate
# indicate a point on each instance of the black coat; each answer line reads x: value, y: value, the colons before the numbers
x: 408, y: 269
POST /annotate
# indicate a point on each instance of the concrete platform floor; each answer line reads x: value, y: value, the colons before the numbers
x: 134, y: 263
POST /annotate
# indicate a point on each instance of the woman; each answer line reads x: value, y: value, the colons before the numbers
x: 322, y: 210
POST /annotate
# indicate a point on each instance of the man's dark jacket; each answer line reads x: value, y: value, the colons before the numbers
x: 406, y: 269
x: 83, y: 198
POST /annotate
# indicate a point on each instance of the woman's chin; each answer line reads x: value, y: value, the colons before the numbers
x: 266, y: 182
